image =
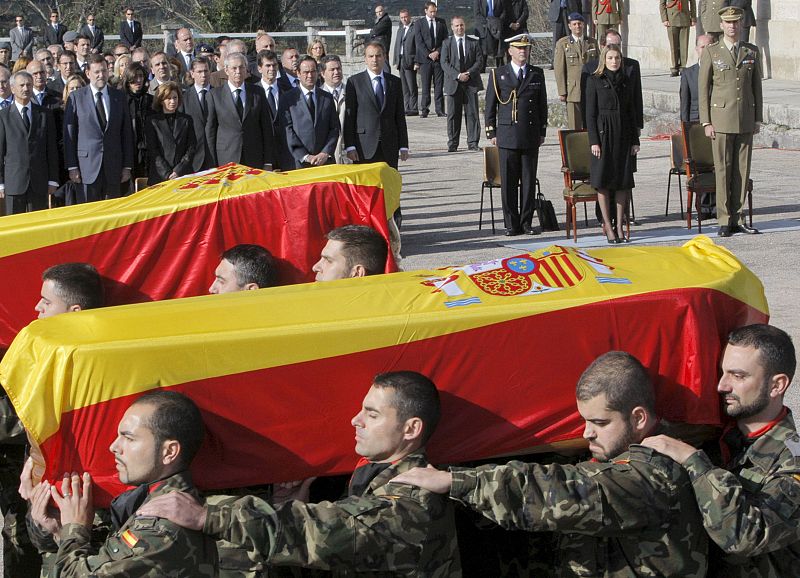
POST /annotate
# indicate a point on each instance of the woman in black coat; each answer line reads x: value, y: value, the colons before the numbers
x: 170, y: 136
x: 140, y: 106
x: 613, y: 136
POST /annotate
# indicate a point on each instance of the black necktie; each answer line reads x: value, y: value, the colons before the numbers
x: 433, y: 34
x: 379, y: 92
x: 101, y: 111
x: 462, y: 60
x: 272, y: 104
x: 311, y: 106
x: 521, y: 76
x: 25, y: 120
x: 239, y: 105
x: 203, y: 105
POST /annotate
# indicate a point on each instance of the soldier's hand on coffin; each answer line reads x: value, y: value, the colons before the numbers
x: 177, y: 507
x: 675, y: 449
x: 75, y: 499
x: 45, y: 515
x: 26, y: 480
x: 428, y: 478
x: 288, y: 491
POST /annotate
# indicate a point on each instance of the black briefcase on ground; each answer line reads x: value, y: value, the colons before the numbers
x: 547, y: 214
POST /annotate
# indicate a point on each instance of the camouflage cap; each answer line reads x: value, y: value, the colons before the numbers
x: 731, y: 14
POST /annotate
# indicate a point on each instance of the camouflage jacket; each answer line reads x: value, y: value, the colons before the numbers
x: 633, y: 516
x: 392, y: 529
x: 751, y: 509
x: 141, y: 548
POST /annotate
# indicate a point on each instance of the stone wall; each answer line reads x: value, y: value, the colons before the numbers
x: 776, y: 34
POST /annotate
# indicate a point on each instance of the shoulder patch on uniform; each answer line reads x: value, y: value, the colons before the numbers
x: 129, y: 538
x: 622, y: 461
x: 793, y: 444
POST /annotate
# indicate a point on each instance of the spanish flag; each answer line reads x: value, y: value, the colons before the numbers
x: 165, y: 241
x: 279, y: 372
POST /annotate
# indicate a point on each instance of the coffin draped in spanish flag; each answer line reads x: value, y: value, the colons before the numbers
x: 279, y: 372
x: 164, y: 242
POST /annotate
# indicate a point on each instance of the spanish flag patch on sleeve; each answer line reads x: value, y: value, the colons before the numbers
x: 129, y: 538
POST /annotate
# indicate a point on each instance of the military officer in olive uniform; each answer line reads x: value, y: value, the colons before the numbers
x: 605, y: 14
x: 572, y: 52
x: 730, y: 110
x: 709, y: 17
x: 516, y: 121
x: 678, y: 16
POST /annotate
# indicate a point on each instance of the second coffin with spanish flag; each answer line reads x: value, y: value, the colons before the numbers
x: 279, y: 372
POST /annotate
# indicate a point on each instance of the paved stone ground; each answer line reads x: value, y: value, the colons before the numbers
x: 441, y: 194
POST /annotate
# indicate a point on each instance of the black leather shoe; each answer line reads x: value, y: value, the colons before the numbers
x: 423, y: 115
x: 748, y: 230
x: 674, y: 72
x: 475, y: 148
x: 724, y: 232
x: 531, y: 230
x: 512, y: 232
x: 452, y: 149
x: 441, y: 114
x: 412, y: 113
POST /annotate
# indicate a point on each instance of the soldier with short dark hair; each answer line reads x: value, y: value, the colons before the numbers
x: 751, y: 507
x: 351, y: 251
x: 628, y: 512
x: 378, y: 527
x: 68, y: 287
x: 244, y: 268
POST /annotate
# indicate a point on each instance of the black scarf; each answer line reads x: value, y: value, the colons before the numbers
x: 125, y: 505
x: 364, y: 475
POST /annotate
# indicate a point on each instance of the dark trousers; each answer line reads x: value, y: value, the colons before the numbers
x: 560, y: 28
x: 379, y: 157
x: 408, y: 80
x: 101, y: 189
x: 428, y: 71
x: 518, y: 179
x: 18, y: 204
x: 465, y: 99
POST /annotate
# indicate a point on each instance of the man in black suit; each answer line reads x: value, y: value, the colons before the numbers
x: 558, y: 14
x: 462, y: 61
x: 489, y: 23
x: 290, y: 60
x: 130, y: 30
x: 268, y: 67
x: 309, y: 120
x: 382, y: 31
x: 94, y: 33
x: 516, y: 121
x: 184, y: 46
x: 27, y: 173
x: 239, y: 128
x: 690, y: 91
x: 195, y: 104
x: 53, y: 33
x: 42, y: 95
x: 98, y: 136
x: 429, y: 34
x: 403, y: 61
x: 66, y: 67
x: 374, y: 123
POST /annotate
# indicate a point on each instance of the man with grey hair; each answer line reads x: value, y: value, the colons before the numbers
x: 690, y: 91
x: 42, y: 95
x: 239, y: 125
x: 44, y: 56
x: 6, y: 98
x: 234, y: 45
x: 27, y: 173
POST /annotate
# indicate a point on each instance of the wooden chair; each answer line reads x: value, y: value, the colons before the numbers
x: 491, y: 179
x: 575, y: 155
x: 700, y: 176
x: 678, y: 168
x: 139, y: 184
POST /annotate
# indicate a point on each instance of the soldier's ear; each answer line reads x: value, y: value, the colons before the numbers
x: 412, y: 429
x: 170, y: 450
x: 74, y: 308
x: 778, y: 384
x: 640, y: 419
x: 358, y: 271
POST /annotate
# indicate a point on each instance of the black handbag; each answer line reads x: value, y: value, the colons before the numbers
x: 546, y: 213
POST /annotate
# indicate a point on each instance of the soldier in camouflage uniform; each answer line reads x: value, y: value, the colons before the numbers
x: 751, y: 508
x: 158, y: 438
x: 379, y: 528
x: 629, y: 512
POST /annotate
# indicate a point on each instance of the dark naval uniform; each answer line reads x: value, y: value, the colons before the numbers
x: 751, y: 509
x: 729, y: 85
x: 141, y: 547
x: 516, y: 114
x: 380, y: 529
x: 633, y: 516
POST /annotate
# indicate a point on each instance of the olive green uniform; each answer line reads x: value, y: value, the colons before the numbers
x: 142, y: 547
x: 681, y: 15
x: 391, y: 529
x: 571, y: 55
x: 709, y: 17
x: 751, y: 509
x: 729, y: 89
x: 605, y: 14
x: 634, y: 516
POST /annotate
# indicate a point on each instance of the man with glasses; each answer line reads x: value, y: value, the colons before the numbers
x: 53, y: 33
x: 94, y: 33
x: 43, y: 55
x: 41, y: 95
x: 130, y: 30
x: 67, y: 66
x: 21, y: 39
